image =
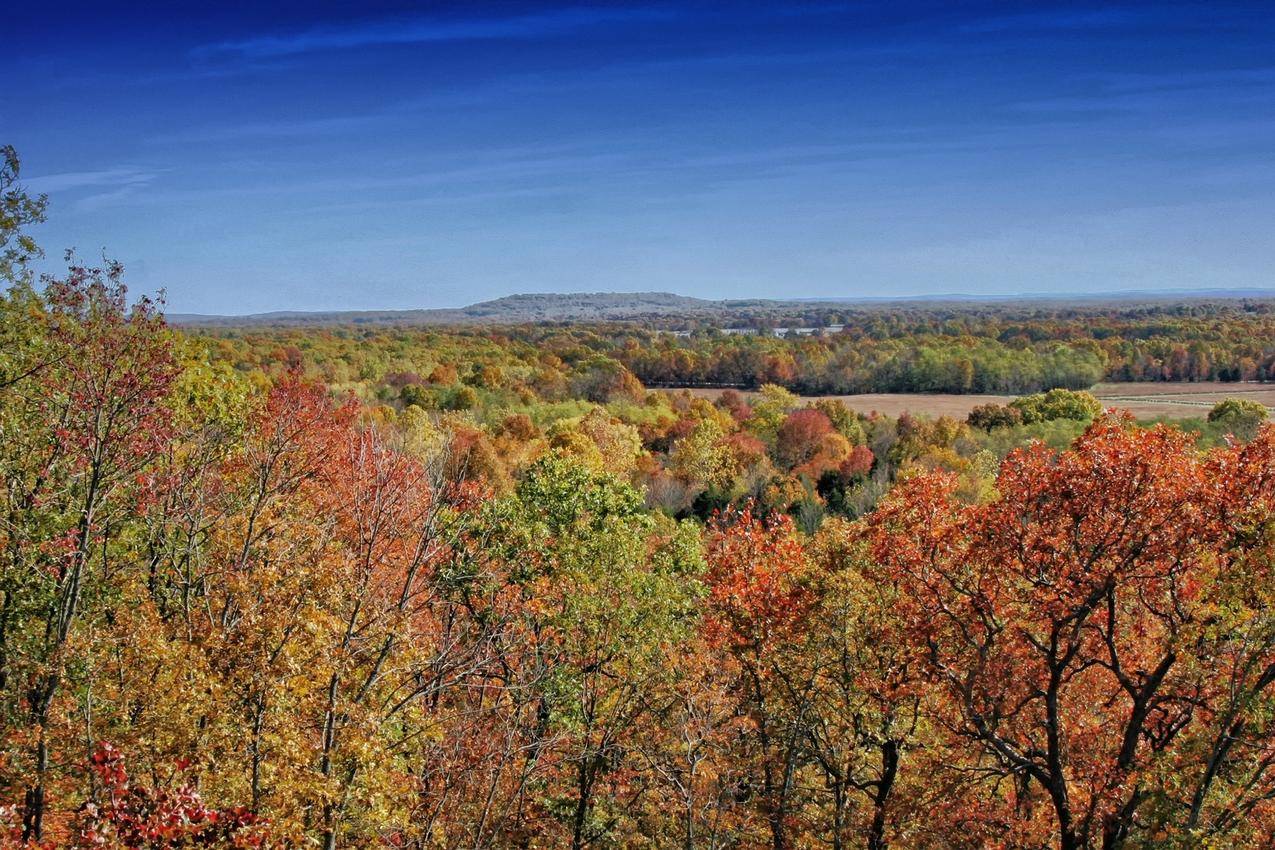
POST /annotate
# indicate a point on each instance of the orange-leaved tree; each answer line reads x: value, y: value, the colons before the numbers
x: 760, y: 595
x: 1081, y: 635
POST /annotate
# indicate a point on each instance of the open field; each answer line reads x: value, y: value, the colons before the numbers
x: 1179, y: 400
x: 1175, y: 400
x: 892, y: 404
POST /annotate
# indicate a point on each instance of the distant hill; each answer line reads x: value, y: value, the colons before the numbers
x: 512, y: 309
x: 636, y: 306
x: 585, y: 306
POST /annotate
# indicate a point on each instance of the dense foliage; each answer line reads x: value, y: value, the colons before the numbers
x: 962, y: 350
x: 341, y: 588
x: 938, y: 349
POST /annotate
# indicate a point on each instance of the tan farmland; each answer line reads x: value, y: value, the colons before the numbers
x: 1176, y: 400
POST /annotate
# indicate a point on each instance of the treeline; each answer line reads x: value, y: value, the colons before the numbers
x: 939, y: 316
x: 937, y: 350
x: 918, y: 350
x: 840, y: 364
x: 920, y: 355
x: 962, y: 356
x: 1015, y: 359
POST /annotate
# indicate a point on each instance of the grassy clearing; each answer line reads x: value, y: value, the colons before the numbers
x: 1164, y: 400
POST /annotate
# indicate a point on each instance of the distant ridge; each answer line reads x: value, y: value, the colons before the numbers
x: 633, y: 306
x: 1157, y: 295
x: 511, y: 309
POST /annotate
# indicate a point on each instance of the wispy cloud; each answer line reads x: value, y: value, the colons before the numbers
x: 420, y: 30
x: 71, y: 180
x: 101, y: 200
x: 1221, y: 78
x: 308, y: 128
x: 483, y: 171
x: 1243, y: 91
x: 1139, y: 17
x: 118, y: 184
x: 505, y: 88
x: 1081, y: 19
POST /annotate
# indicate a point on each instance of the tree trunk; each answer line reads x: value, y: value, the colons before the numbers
x: 585, y: 788
x: 33, y: 802
x: 889, y: 771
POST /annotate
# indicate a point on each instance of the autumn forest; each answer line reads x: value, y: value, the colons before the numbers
x: 524, y: 586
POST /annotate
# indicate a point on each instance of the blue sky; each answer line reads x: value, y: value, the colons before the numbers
x: 319, y: 155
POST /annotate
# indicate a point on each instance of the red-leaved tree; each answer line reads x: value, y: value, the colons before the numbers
x: 1085, y: 636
